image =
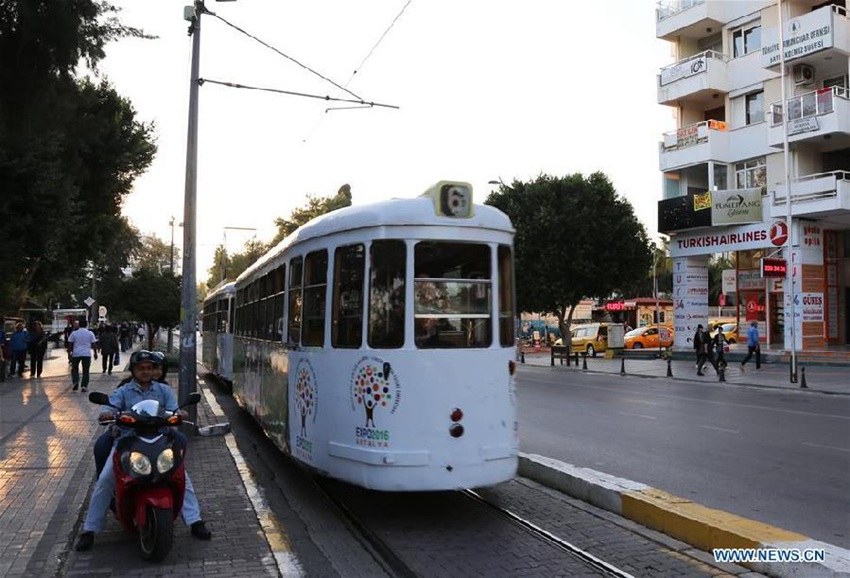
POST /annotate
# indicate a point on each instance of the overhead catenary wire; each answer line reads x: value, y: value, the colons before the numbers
x: 272, y: 48
x: 360, y: 67
x: 294, y: 93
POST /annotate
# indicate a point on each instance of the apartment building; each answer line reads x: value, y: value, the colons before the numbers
x: 748, y: 140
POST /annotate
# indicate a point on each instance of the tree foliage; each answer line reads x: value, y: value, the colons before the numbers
x: 69, y: 148
x: 576, y: 238
x: 315, y: 206
x: 153, y: 297
x: 227, y: 267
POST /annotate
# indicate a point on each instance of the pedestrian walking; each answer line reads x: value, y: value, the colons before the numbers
x: 82, y: 344
x: 141, y: 333
x: 703, y: 346
x: 124, y: 336
x: 18, y: 350
x: 697, y: 340
x: 720, y: 345
x: 753, y: 346
x: 37, y: 347
x: 108, y: 344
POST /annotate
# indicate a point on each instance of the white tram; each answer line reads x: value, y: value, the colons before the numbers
x: 376, y: 343
x: 217, y: 331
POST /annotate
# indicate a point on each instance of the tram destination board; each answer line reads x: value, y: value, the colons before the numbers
x: 774, y: 268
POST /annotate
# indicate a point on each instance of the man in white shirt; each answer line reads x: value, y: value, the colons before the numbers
x: 82, y: 343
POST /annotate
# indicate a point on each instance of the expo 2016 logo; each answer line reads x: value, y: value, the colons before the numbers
x: 306, y: 390
x: 374, y: 385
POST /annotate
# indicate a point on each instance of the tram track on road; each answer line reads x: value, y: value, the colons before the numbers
x: 453, y: 533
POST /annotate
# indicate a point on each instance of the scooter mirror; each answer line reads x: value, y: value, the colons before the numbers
x: 99, y: 398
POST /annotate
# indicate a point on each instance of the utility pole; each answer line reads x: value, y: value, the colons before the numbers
x: 188, y: 305
x: 170, y: 342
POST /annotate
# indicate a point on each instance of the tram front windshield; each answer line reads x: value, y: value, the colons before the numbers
x: 452, y: 295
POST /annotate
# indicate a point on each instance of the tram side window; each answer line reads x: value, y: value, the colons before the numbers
x: 386, y: 294
x: 453, y: 292
x: 347, y: 326
x: 315, y: 287
x: 294, y: 329
x: 276, y: 315
x: 506, y: 296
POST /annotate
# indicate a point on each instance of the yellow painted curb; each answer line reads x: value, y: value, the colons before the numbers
x: 697, y: 525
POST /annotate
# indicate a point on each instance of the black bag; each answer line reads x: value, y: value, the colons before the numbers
x: 116, y: 359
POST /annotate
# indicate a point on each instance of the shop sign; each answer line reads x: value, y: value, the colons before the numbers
x: 724, y: 239
x: 804, y: 35
x: 736, y: 206
x: 812, y: 305
x: 690, y: 67
x: 801, y: 125
x: 750, y: 279
x: 728, y: 282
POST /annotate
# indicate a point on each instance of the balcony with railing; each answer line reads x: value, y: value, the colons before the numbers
x: 814, y: 196
x: 699, y: 18
x: 695, y: 79
x: 694, y: 144
x: 822, y: 114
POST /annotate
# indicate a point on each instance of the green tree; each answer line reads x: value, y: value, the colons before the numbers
x: 315, y: 206
x: 227, y: 267
x: 576, y: 238
x: 153, y: 298
x: 69, y: 148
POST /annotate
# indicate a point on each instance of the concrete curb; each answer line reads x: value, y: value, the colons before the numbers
x: 683, y: 519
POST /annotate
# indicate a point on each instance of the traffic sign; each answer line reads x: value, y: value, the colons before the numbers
x: 89, y: 301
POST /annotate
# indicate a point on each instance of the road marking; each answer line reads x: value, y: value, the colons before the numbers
x: 734, y: 431
x: 637, y: 415
x: 827, y: 447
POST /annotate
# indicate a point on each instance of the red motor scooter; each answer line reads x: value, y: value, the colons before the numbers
x: 149, y: 475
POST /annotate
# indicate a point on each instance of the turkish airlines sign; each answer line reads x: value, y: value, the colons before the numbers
x: 772, y: 234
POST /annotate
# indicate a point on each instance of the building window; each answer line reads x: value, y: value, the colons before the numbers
x: 746, y: 40
x: 755, y: 107
x: 751, y: 174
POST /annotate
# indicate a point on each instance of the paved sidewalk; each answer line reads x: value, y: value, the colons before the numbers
x: 830, y: 379
x: 47, y: 434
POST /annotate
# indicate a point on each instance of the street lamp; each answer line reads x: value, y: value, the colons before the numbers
x: 224, y: 247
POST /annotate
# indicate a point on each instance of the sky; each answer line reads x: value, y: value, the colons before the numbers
x: 487, y: 91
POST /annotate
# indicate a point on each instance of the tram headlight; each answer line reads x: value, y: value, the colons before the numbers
x: 165, y: 461
x: 140, y: 464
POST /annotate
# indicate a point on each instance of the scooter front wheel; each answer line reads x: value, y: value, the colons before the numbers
x: 156, y: 536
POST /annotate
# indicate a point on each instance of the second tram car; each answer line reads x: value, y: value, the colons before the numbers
x: 217, y: 331
x: 376, y: 343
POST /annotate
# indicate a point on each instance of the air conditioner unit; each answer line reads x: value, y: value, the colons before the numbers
x: 804, y: 74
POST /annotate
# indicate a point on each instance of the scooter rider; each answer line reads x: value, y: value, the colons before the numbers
x: 142, y: 387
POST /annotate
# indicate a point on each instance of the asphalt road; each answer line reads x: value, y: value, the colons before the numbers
x: 781, y: 457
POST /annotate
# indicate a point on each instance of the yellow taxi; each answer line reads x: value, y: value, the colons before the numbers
x: 649, y: 337
x: 730, y: 331
x: 591, y: 338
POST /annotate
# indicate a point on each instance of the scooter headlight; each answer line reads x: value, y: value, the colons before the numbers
x: 140, y: 464
x: 165, y: 461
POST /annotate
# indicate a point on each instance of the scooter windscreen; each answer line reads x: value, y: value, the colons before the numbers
x: 148, y: 407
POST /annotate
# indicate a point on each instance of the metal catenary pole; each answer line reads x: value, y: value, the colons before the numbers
x: 789, y: 291
x: 188, y: 306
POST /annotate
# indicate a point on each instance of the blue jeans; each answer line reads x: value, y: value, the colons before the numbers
x: 105, y: 488
x: 75, y: 371
x: 17, y: 360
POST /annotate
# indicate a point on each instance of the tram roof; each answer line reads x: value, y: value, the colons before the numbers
x: 417, y: 211
x: 220, y: 289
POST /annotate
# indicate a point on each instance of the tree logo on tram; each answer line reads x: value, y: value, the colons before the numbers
x: 305, y: 393
x: 374, y: 385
